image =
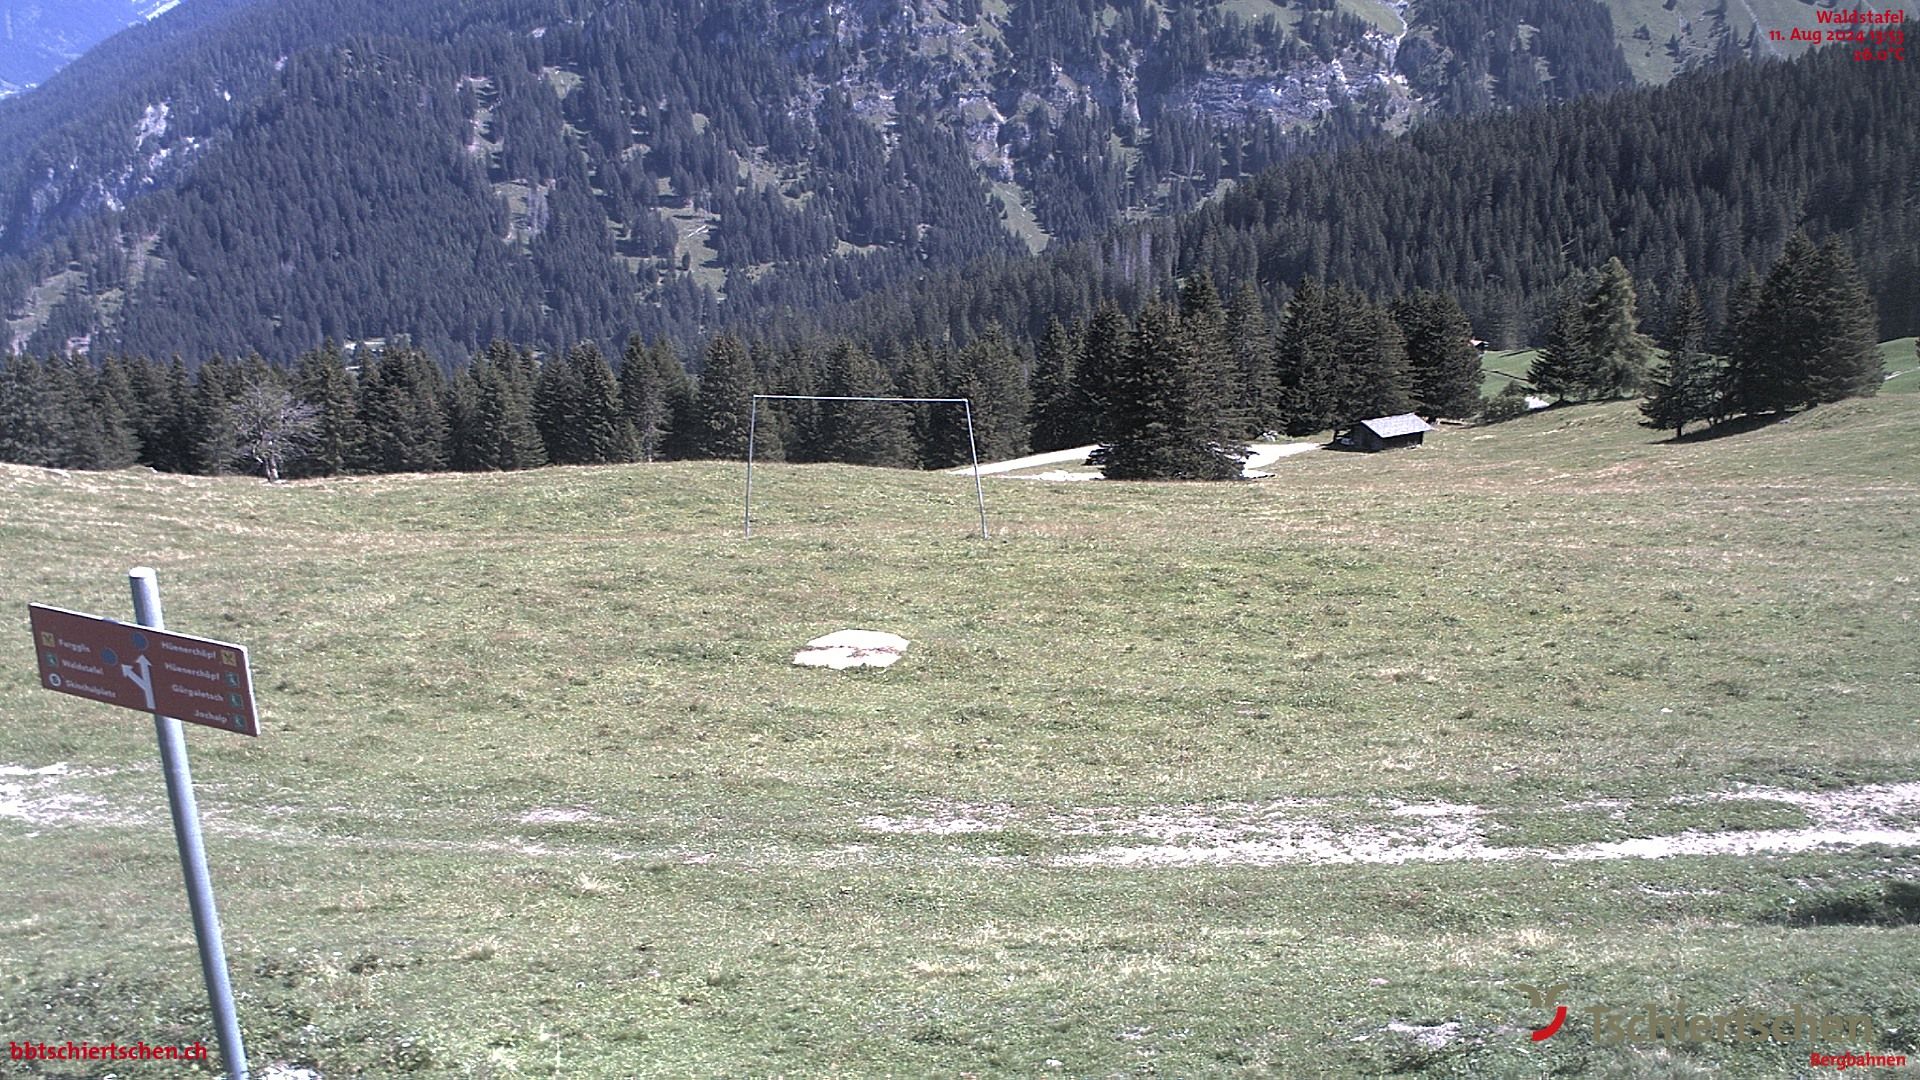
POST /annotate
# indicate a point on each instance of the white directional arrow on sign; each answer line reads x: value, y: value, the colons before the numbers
x: 144, y: 680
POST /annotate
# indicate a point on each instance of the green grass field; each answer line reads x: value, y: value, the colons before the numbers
x: 1303, y: 777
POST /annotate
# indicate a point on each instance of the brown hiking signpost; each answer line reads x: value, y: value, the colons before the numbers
x: 195, y: 679
x: 175, y: 677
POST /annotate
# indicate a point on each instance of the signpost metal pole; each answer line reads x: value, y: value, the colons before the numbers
x: 193, y: 856
x: 746, y: 516
x: 975, y: 451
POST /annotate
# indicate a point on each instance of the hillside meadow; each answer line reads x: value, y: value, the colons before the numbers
x: 1300, y: 777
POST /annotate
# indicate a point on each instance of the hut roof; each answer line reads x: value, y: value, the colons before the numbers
x: 1389, y: 426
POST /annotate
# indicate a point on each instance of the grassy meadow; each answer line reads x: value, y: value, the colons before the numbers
x: 1300, y: 777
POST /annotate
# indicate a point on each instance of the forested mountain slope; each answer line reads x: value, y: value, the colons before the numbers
x: 1701, y: 180
x: 260, y: 176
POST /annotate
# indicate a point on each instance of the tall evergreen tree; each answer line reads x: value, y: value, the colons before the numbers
x: 33, y: 415
x: 1443, y: 366
x: 503, y: 434
x: 920, y: 377
x: 1846, y: 361
x: 98, y: 435
x: 403, y: 412
x: 1685, y: 388
x: 1306, y: 358
x: 861, y: 432
x: 654, y: 390
x: 557, y: 394
x: 1166, y: 409
x: 603, y: 435
x: 1372, y: 362
x: 322, y: 380
x: 1564, y: 368
x: 1103, y: 356
x: 1619, y: 353
x: 1776, y: 337
x: 722, y: 401
x: 1055, y: 422
x: 1203, y: 322
x: 210, y: 445
x: 1251, y: 346
x: 989, y: 372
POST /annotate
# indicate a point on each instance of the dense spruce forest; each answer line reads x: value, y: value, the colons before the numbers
x: 1175, y: 392
x: 1700, y: 181
x: 245, y: 177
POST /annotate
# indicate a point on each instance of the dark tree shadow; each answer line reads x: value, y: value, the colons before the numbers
x: 1738, y: 425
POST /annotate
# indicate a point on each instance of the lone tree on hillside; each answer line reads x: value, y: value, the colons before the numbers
x: 270, y: 427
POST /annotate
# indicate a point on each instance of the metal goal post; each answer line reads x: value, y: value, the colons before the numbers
x: 753, y: 423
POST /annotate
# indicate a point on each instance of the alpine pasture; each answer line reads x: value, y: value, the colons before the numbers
x: 1307, y: 776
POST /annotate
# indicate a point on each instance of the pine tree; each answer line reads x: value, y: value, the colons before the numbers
x: 33, y: 416
x: 1443, y: 366
x: 1372, y: 364
x: 860, y: 432
x: 653, y: 389
x: 1846, y: 361
x: 210, y: 445
x: 502, y: 434
x: 180, y: 438
x: 1252, y: 351
x: 1619, y: 354
x: 602, y: 433
x: 1685, y: 388
x: 1203, y: 322
x: 403, y: 412
x: 1775, y: 339
x: 1564, y: 369
x: 722, y: 401
x: 556, y: 410
x: 1055, y: 421
x: 1103, y: 356
x: 115, y: 396
x: 321, y: 379
x: 920, y: 377
x: 97, y: 433
x: 1168, y: 424
x: 153, y: 413
x: 988, y: 372
x: 1306, y: 357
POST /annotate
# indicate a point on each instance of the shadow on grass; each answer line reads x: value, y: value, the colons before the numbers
x: 1739, y: 425
x: 1892, y: 903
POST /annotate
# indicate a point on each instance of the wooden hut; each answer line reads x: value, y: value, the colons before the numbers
x: 1384, y: 433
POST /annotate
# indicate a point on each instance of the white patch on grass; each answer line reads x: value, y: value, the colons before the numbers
x: 1431, y: 1036
x: 34, y: 796
x: 852, y: 648
x: 558, y: 815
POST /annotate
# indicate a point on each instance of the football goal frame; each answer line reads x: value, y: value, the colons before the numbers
x: 753, y: 424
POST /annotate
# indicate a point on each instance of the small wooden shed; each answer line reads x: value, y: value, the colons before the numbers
x: 1385, y: 433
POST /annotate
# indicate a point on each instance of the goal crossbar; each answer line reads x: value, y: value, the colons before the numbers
x: 753, y: 419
